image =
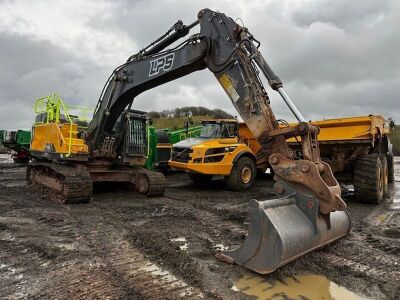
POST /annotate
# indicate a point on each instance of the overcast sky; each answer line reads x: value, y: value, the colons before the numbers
x: 335, y: 57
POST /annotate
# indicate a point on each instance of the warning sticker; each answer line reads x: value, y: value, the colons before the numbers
x: 228, y: 87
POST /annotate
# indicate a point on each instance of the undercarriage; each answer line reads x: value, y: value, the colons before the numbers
x: 73, y: 183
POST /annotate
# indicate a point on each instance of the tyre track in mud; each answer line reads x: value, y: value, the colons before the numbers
x: 108, y: 236
x: 84, y: 256
x: 164, y: 220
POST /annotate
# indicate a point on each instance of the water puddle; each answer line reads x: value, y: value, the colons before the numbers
x: 301, y: 287
x: 13, y: 184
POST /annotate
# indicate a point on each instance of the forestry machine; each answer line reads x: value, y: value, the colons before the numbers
x: 308, y: 211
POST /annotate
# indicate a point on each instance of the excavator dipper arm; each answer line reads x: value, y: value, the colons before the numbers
x: 308, y: 211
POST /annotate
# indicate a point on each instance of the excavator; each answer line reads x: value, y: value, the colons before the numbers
x: 307, y: 212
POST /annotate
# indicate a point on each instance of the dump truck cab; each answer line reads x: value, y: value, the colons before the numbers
x: 225, y: 147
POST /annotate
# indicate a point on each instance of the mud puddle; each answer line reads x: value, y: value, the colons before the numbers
x: 299, y: 287
x: 5, y: 158
x: 11, y: 174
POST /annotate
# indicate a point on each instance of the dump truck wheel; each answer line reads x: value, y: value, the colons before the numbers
x: 385, y: 174
x: 390, y: 164
x: 200, y: 179
x: 368, y: 179
x: 242, y: 175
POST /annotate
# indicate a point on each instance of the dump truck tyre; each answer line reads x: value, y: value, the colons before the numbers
x: 385, y: 174
x: 242, y: 175
x: 390, y: 163
x: 368, y: 179
x: 200, y: 179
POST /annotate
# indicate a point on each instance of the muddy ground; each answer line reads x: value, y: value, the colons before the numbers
x: 125, y: 246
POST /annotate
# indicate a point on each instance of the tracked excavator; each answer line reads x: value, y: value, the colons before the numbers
x: 307, y: 212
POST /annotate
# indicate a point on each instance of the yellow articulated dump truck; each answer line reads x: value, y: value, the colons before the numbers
x: 224, y: 147
x: 357, y: 149
x: 359, y: 153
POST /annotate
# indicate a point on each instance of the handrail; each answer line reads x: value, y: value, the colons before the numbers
x: 54, y: 106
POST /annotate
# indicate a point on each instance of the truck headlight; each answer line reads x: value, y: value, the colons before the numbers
x: 230, y: 149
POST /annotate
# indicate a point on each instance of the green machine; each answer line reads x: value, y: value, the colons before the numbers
x: 160, y: 144
x: 18, y: 142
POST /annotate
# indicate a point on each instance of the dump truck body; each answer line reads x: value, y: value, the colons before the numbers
x: 342, y: 139
x: 359, y: 153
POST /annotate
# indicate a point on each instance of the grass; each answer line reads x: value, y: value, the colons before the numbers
x: 176, y: 123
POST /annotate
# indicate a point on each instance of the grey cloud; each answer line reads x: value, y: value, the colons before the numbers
x: 349, y: 15
x: 31, y: 69
x: 336, y: 58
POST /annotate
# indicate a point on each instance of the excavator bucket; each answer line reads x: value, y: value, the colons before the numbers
x: 284, y: 229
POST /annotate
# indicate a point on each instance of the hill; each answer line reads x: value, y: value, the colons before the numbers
x: 177, y: 122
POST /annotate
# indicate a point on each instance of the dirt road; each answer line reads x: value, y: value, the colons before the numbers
x: 123, y: 245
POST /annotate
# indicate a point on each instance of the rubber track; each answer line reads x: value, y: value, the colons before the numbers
x: 77, y: 182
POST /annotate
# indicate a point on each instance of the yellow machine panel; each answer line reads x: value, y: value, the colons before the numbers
x: 55, y: 131
x: 352, y: 128
x: 214, y: 157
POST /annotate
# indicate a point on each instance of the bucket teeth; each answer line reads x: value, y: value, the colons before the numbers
x: 284, y: 229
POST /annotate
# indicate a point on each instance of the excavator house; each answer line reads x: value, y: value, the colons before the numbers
x: 307, y: 212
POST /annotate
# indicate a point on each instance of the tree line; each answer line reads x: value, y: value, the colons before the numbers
x: 394, y: 136
x: 190, y: 111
